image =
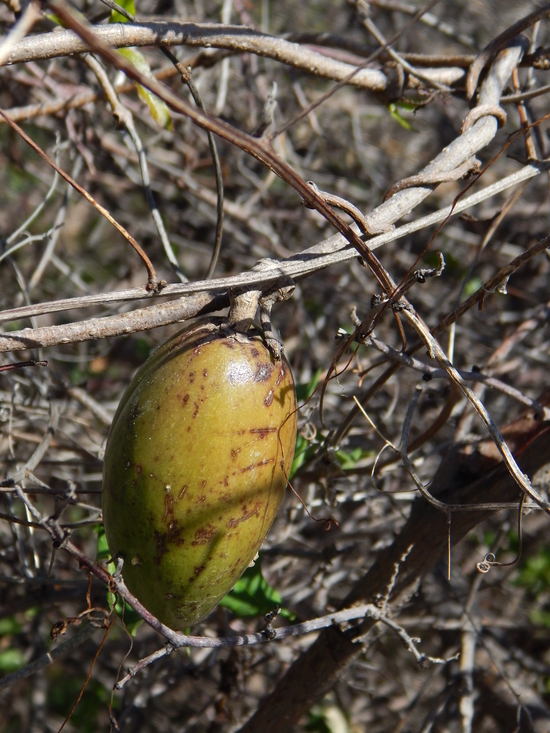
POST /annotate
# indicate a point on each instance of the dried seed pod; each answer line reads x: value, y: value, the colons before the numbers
x: 196, y: 465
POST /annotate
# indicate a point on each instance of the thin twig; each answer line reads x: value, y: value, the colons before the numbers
x: 57, y: 652
x: 436, y: 352
x: 152, y: 282
x: 30, y: 15
x: 185, y: 72
x: 490, y: 51
x: 124, y: 117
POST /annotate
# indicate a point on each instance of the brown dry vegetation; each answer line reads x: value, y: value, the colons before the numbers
x: 389, y: 548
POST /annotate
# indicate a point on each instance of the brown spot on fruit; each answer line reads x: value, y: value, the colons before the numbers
x: 168, y: 509
x: 265, y: 462
x: 199, y: 570
x: 196, y: 410
x: 205, y: 373
x: 182, y: 491
x: 204, y: 535
x: 160, y: 539
x: 263, y: 432
x: 234, y: 522
x: 254, y: 353
x: 191, y: 377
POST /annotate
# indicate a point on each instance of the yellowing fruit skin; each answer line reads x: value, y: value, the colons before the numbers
x: 195, y: 468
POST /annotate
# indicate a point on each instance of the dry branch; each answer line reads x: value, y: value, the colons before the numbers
x: 207, y: 35
x: 461, y: 479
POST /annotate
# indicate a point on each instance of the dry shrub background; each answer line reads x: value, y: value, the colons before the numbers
x: 55, y: 419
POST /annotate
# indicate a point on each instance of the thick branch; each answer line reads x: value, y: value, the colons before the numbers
x: 97, y: 328
x: 205, y: 35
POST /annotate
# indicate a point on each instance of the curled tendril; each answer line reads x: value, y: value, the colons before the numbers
x: 487, y: 563
x: 490, y: 560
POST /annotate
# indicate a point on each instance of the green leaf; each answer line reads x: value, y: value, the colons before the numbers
x: 102, y: 546
x: 55, y: 19
x: 407, y: 106
x: 130, y: 618
x: 303, y: 451
x: 540, y: 617
x: 350, y: 459
x: 158, y: 109
x: 535, y: 573
x: 117, y: 17
x: 397, y: 117
x: 11, y: 660
x: 305, y: 390
x: 9, y: 625
x: 472, y: 286
x: 253, y: 596
x: 327, y: 718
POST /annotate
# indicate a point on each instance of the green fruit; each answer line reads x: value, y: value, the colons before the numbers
x: 196, y: 465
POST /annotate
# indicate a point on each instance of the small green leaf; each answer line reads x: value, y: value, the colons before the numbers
x: 11, y: 660
x: 117, y: 17
x: 158, y: 109
x: 394, y: 112
x: 535, y: 572
x: 472, y: 286
x: 540, y: 617
x: 9, y: 625
x: 253, y: 596
x: 130, y: 618
x: 102, y: 546
x: 407, y: 106
x: 55, y: 19
x: 327, y: 718
x: 303, y: 451
x: 349, y: 459
x: 305, y: 390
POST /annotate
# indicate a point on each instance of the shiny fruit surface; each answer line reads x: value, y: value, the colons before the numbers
x: 195, y: 468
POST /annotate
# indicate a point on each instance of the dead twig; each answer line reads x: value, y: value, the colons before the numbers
x: 152, y: 281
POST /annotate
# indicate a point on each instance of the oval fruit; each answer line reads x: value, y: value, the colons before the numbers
x: 196, y: 465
